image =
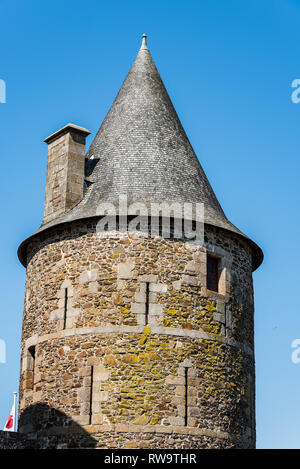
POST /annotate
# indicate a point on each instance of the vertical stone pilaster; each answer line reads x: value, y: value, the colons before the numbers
x: 65, y: 170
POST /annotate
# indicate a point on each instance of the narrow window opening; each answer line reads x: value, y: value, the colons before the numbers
x: 65, y: 308
x: 212, y: 275
x: 225, y: 319
x: 172, y: 229
x: 147, y: 303
x: 160, y: 226
x: 91, y: 395
x: 31, y: 352
x: 186, y: 373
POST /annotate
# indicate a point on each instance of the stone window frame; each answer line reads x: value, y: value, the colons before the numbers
x: 221, y: 280
x: 212, y: 276
x: 155, y: 310
x: 91, y: 395
x: 145, y: 305
x: 64, y: 319
x: 224, y: 269
x: 28, y: 368
x: 178, y: 383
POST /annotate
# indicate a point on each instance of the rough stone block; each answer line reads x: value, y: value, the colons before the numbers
x: 180, y: 380
x: 190, y: 280
x: 164, y: 429
x: 193, y: 268
x: 101, y: 373
x: 81, y: 419
x: 152, y: 297
x: 92, y: 361
x: 194, y: 381
x: 101, y: 396
x: 155, y: 309
x: 194, y: 411
x: 181, y: 410
x: 138, y: 308
x: 180, y: 390
x: 141, y: 420
x: 86, y: 381
x: 220, y: 306
x: 93, y: 287
x: 56, y: 314
x: 84, y: 407
x: 85, y: 371
x: 140, y: 297
x: 126, y: 270
x: 158, y: 288
x: 219, y: 317
x: 176, y: 421
x: 37, y: 396
x: 178, y: 400
x: 180, y: 430
x: 122, y: 428
x: 97, y: 419
x: 192, y: 421
x: 88, y: 276
x: 177, y: 285
x: 121, y: 284
x: 150, y: 278
x: 84, y: 394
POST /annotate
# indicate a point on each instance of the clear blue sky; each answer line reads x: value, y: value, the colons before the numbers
x: 228, y: 67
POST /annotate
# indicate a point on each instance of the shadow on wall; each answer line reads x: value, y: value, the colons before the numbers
x: 49, y: 428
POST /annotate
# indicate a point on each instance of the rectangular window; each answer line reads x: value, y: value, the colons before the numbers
x: 212, y: 273
x: 31, y: 367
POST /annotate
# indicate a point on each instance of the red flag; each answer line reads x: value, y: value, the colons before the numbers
x: 10, y: 424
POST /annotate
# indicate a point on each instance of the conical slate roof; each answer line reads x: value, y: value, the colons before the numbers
x: 142, y: 151
x: 142, y: 147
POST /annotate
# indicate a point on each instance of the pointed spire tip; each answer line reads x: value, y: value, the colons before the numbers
x: 144, y: 42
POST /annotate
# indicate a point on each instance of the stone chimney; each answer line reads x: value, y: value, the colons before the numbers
x: 65, y: 170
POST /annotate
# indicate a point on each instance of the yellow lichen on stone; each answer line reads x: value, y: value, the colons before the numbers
x: 210, y: 306
x: 141, y: 420
x: 154, y: 420
x: 130, y: 358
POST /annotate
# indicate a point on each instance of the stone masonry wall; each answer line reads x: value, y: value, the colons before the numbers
x: 65, y: 172
x: 130, y: 348
x: 14, y: 440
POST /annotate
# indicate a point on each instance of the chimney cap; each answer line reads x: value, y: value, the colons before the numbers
x: 65, y: 129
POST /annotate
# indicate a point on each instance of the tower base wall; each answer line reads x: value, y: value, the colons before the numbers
x: 124, y: 347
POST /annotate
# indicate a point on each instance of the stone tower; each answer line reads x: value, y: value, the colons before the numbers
x: 134, y: 337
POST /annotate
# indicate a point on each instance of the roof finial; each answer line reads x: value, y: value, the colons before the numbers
x: 144, y: 42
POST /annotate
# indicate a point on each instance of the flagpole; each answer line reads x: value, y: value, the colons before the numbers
x: 15, y: 407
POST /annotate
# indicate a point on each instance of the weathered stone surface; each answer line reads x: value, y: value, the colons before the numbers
x: 65, y: 171
x: 88, y: 276
x: 125, y: 270
x: 14, y: 440
x: 139, y: 372
x: 141, y: 420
